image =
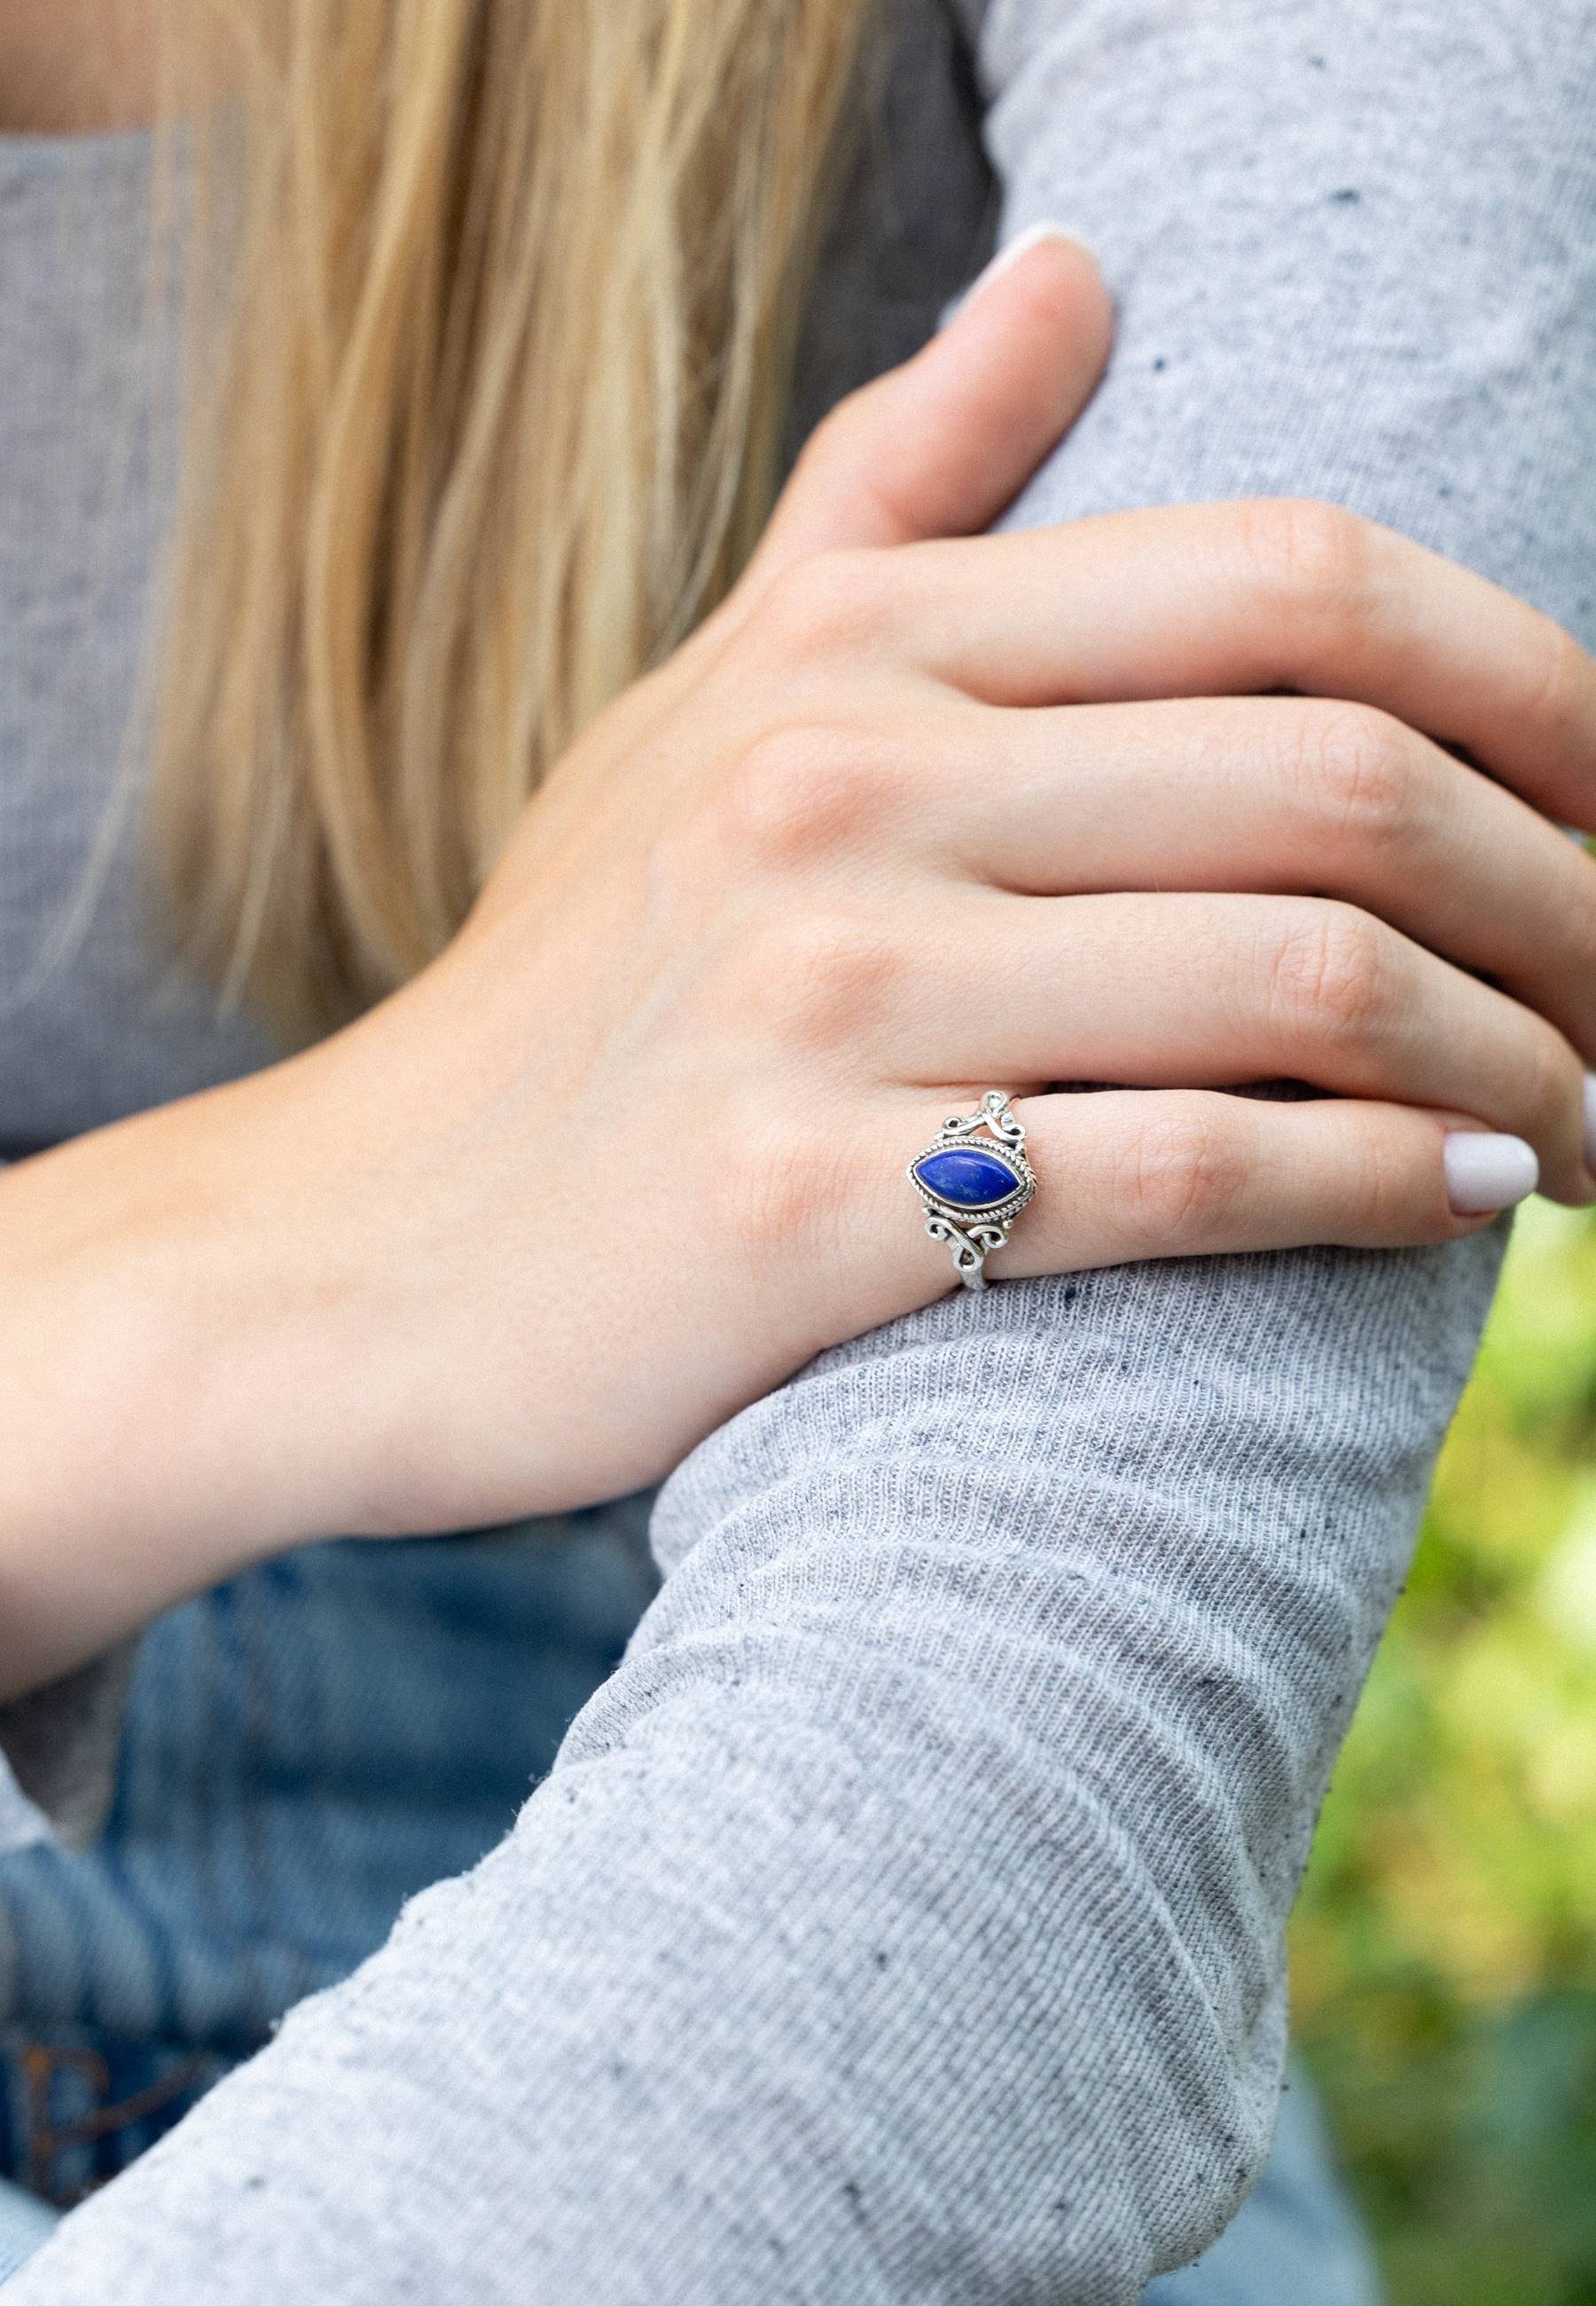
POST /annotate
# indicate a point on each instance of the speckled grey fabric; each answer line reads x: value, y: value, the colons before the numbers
x: 94, y: 1023
x: 902, y: 1924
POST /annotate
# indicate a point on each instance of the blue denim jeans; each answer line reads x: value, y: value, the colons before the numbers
x: 305, y: 1748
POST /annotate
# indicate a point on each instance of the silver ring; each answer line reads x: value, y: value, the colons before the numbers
x: 975, y: 1187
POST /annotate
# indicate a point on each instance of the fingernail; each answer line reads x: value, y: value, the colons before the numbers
x: 1485, y: 1173
x: 1590, y: 1122
x: 1021, y: 245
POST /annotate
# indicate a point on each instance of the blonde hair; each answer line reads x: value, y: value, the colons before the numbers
x: 495, y: 305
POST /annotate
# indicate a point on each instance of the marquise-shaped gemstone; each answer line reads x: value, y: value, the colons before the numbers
x: 968, y: 1176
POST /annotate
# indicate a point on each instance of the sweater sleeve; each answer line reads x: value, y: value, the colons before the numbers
x: 902, y: 1922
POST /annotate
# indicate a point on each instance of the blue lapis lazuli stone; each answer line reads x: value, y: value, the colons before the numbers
x: 967, y: 1178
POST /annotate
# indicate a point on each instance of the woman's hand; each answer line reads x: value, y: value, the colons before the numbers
x: 915, y: 814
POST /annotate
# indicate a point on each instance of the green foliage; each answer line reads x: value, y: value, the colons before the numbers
x: 1444, y: 1955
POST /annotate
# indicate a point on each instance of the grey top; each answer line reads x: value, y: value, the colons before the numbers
x: 93, y: 1022
x: 903, y: 1921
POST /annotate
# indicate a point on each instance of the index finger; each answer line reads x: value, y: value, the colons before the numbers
x: 1248, y: 597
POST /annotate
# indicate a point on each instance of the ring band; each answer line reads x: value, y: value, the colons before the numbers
x: 974, y: 1187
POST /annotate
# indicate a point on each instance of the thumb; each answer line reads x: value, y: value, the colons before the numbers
x: 939, y: 447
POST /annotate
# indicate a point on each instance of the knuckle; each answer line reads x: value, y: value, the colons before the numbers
x: 1552, y: 1085
x: 1562, y: 684
x: 820, y: 607
x: 1331, y: 975
x: 1309, y: 557
x: 1581, y: 923
x: 1382, y: 1186
x: 786, y: 1182
x: 1356, y: 770
x: 797, y: 792
x: 820, y: 978
x: 1182, y: 1174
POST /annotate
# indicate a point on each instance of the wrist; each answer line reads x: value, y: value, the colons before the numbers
x: 171, y: 1397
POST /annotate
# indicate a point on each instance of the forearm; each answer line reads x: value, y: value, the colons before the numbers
x: 901, y: 1921
x: 1316, y: 294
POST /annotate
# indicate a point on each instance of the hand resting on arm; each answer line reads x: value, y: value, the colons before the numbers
x: 593, y: 1182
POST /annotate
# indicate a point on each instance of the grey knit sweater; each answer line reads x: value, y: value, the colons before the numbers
x: 903, y: 1921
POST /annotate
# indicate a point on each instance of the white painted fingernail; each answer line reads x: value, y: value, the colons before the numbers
x: 1021, y: 245
x: 1590, y: 1122
x: 1486, y: 1172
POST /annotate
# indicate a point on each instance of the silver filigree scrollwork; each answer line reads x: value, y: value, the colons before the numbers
x: 974, y: 1232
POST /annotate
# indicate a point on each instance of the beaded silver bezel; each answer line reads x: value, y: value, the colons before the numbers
x: 974, y: 1233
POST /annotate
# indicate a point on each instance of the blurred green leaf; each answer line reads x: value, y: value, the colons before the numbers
x: 1445, y: 1947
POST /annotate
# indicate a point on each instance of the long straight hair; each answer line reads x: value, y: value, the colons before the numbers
x: 492, y: 306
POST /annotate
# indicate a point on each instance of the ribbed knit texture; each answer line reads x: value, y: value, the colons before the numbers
x: 901, y: 1925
